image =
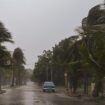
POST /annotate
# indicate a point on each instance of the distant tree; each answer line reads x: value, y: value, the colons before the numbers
x: 18, y: 65
x: 42, y: 70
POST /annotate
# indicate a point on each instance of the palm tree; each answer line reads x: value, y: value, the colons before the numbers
x: 93, y: 53
x: 5, y: 36
x: 67, y: 57
x: 43, y: 68
x: 18, y: 65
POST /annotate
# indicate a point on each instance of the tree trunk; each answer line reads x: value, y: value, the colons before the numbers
x: 85, y: 84
x: 0, y: 81
x: 12, y: 85
x: 13, y: 76
x: 73, y: 84
x: 98, y: 88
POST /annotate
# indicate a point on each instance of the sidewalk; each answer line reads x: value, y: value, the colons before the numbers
x: 5, y: 86
x: 82, y: 98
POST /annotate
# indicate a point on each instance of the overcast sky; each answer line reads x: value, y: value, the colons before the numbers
x: 38, y: 25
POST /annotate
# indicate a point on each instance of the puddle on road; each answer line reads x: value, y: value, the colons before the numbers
x: 26, y: 95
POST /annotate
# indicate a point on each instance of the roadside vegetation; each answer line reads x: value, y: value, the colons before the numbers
x: 81, y: 57
x: 12, y: 70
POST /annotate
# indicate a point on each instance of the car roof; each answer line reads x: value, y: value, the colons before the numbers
x: 49, y: 82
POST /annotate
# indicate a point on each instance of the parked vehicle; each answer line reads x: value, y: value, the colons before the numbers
x: 49, y: 86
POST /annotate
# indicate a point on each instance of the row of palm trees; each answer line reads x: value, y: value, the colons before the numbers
x: 11, y: 66
x: 81, y: 57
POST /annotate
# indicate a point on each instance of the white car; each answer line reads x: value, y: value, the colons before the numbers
x: 48, y: 86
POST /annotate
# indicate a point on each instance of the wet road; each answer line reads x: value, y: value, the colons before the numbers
x: 33, y: 95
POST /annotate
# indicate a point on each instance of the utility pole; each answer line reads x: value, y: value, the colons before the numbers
x: 11, y: 62
x: 51, y: 71
x: 66, y: 81
x: 12, y: 73
x: 51, y: 74
x: 47, y: 72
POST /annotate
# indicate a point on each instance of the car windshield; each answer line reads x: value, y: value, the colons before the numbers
x: 49, y: 83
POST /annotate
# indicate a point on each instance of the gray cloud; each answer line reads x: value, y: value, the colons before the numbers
x: 40, y: 24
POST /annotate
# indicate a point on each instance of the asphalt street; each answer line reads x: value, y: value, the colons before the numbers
x: 31, y: 94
